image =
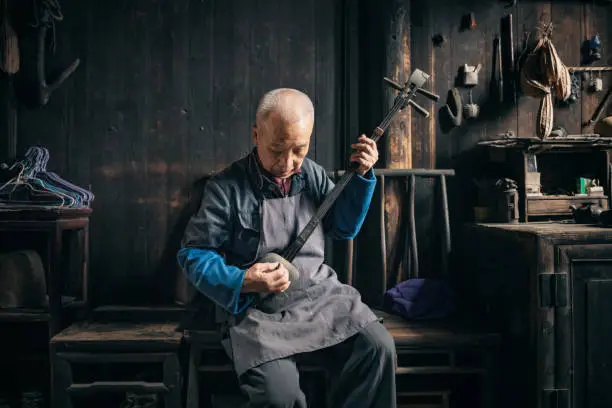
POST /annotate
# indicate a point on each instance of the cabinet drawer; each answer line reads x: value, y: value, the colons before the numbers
x: 559, y: 205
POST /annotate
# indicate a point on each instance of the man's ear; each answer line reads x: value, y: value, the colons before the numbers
x: 254, y: 133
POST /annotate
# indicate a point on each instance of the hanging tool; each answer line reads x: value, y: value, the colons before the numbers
x: 497, y: 78
x: 468, y: 22
x: 471, y: 110
x: 470, y: 74
x: 500, y: 85
x: 600, y: 108
x: 576, y: 90
x: 404, y: 98
x: 453, y: 107
x: 594, y: 50
x: 596, y: 84
x: 507, y: 60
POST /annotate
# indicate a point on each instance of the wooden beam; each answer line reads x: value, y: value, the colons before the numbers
x: 350, y: 126
x: 398, y: 67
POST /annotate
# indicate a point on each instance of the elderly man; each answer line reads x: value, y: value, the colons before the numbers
x: 258, y: 205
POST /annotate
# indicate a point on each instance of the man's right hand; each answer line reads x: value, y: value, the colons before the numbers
x: 265, y: 278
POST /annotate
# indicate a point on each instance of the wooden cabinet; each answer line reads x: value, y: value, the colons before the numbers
x: 547, y: 287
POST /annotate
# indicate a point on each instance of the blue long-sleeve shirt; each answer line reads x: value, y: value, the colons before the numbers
x: 208, y: 236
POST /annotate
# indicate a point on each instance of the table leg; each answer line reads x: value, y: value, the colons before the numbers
x: 193, y: 386
x: 172, y: 376
x: 61, y: 379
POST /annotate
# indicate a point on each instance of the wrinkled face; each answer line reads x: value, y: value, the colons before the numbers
x: 282, y: 147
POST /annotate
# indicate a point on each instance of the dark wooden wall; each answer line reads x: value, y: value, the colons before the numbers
x: 165, y: 94
x: 167, y: 90
x: 406, y: 31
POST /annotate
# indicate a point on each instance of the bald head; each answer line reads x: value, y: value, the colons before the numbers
x: 283, y: 125
x: 285, y: 106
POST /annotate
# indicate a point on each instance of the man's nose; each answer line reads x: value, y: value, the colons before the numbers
x: 288, y: 159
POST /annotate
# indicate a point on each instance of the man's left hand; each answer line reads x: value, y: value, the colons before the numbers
x: 366, y: 155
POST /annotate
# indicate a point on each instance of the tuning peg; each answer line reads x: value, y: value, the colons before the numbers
x: 419, y: 108
x: 393, y: 84
x: 428, y: 94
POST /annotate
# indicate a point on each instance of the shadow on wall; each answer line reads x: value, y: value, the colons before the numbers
x: 168, y: 273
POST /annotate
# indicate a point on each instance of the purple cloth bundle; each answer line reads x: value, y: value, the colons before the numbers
x: 421, y: 299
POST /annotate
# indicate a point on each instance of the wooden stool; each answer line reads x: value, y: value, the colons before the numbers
x: 116, y: 343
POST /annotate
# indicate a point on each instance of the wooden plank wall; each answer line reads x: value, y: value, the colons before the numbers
x: 433, y: 146
x: 166, y: 92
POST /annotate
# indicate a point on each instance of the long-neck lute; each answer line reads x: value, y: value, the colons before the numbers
x: 404, y: 98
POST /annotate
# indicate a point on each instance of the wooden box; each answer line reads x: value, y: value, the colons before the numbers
x: 547, y: 287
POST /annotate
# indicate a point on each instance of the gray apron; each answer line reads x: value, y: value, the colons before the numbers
x: 317, y: 310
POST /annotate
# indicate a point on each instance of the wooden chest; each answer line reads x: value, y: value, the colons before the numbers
x: 547, y: 287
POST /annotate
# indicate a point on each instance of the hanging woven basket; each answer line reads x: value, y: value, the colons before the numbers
x: 543, y: 74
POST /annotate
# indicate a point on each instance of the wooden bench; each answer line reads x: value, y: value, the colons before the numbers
x: 423, y: 349
x: 443, y: 347
x: 119, y: 344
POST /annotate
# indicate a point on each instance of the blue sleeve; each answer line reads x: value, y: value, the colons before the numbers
x: 346, y: 217
x: 206, y: 235
x: 211, y: 276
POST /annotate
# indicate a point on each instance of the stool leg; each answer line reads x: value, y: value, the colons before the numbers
x: 172, y: 375
x: 445, y: 400
x: 61, y: 379
x: 489, y: 381
x: 193, y: 391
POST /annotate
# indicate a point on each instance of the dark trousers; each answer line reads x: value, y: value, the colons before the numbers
x: 362, y: 369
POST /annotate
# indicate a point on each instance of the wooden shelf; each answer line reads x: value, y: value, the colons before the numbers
x: 591, y: 69
x: 24, y: 315
x: 41, y: 214
x: 8, y: 315
x: 570, y: 143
